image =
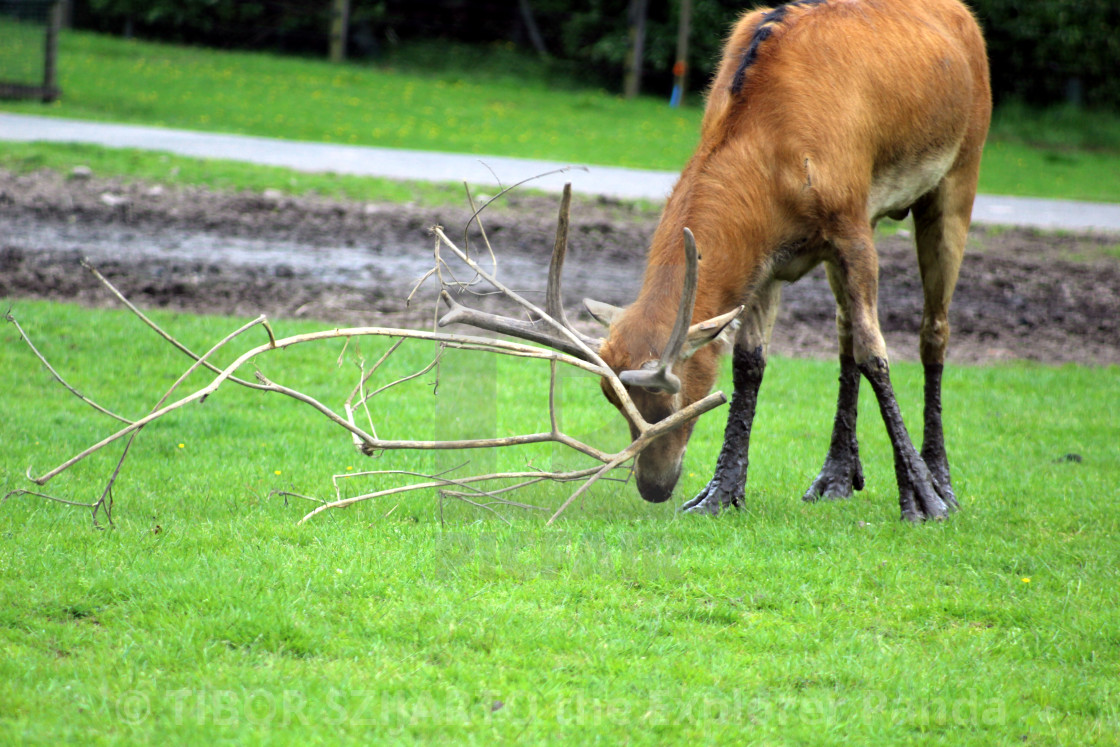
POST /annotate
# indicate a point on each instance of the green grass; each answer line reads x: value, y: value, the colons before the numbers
x: 21, y: 50
x: 491, y: 101
x: 207, y: 614
x: 104, y: 78
x: 235, y: 176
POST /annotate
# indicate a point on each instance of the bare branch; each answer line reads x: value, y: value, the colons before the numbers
x: 155, y: 327
x: 554, y: 303
x: 21, y: 491
x: 548, y: 326
x: 58, y: 376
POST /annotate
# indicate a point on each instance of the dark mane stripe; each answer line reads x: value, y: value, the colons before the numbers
x: 761, y: 33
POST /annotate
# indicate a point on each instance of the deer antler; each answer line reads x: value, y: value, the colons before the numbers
x: 552, y: 328
x: 661, y: 377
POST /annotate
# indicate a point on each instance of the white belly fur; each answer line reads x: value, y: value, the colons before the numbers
x: 897, y: 187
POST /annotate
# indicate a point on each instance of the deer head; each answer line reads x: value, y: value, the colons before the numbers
x: 662, y: 378
x: 654, y: 374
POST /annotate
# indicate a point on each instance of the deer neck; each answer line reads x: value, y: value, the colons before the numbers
x: 728, y: 207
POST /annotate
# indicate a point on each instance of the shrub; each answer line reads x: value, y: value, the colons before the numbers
x: 1042, y: 52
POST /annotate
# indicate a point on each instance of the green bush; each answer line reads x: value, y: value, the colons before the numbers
x: 284, y: 25
x: 1049, y: 51
x: 1042, y: 52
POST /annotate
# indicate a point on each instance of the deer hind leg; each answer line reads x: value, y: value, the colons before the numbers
x: 919, y: 496
x: 842, y: 472
x: 727, y: 486
x: 941, y: 222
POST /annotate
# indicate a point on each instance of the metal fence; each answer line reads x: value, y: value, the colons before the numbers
x: 29, y: 49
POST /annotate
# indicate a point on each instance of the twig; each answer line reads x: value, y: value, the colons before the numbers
x: 155, y: 327
x: 58, y: 376
x: 485, y: 491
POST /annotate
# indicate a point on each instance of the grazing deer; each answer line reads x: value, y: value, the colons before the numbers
x: 824, y: 117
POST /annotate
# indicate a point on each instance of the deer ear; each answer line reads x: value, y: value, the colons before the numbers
x: 722, y: 327
x: 601, y: 312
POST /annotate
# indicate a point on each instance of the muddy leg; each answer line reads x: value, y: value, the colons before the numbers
x: 842, y: 472
x: 933, y: 437
x: 727, y: 485
x: 918, y: 495
x: 941, y: 221
x: 726, y: 488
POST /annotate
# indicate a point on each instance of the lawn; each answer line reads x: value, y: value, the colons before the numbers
x: 490, y: 101
x: 208, y: 614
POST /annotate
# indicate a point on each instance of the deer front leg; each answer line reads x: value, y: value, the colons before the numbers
x: 726, y: 487
x: 920, y: 496
x: 748, y: 361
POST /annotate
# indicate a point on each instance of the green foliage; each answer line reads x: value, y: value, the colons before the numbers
x: 206, y: 615
x: 1044, y: 52
x: 289, y: 25
x: 1050, y: 51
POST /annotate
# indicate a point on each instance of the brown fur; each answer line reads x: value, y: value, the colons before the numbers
x: 850, y: 110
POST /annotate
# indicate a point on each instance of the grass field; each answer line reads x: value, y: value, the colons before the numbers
x: 234, y: 176
x: 491, y: 101
x: 208, y: 615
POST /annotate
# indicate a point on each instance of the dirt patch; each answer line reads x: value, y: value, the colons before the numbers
x: 1022, y: 293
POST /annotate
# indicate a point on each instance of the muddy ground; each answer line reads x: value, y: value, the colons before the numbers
x: 1022, y: 293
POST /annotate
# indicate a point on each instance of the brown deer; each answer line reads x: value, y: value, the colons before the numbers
x: 824, y: 117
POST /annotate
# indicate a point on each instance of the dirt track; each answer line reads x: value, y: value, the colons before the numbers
x: 1022, y: 294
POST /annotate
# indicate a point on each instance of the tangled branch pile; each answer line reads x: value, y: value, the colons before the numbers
x: 567, y: 347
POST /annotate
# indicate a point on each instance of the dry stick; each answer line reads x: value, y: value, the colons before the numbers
x: 350, y: 475
x: 288, y: 493
x: 106, y: 498
x: 695, y: 410
x: 622, y: 457
x: 511, y: 187
x: 21, y: 491
x: 368, y: 443
x: 481, y: 230
x: 501, y: 501
x: 366, y: 375
x: 365, y: 407
x: 593, y: 355
x: 342, y: 355
x: 459, y: 341
x: 435, y: 361
x: 201, y: 394
x: 58, y: 376
x: 159, y: 330
x: 518, y: 299
x: 359, y: 391
x: 437, y: 483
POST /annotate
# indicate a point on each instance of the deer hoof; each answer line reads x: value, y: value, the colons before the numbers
x: 713, y: 499
x: 837, y: 481
x: 922, y: 497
